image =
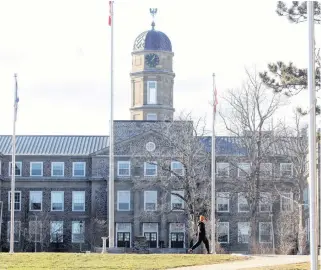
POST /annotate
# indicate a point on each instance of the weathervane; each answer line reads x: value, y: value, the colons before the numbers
x: 153, y: 12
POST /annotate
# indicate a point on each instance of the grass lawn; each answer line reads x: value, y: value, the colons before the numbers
x: 107, y: 261
x: 298, y: 266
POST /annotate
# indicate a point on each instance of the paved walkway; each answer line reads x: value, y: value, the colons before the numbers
x: 253, y: 261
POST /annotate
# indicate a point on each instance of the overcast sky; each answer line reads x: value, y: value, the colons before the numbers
x: 61, y: 52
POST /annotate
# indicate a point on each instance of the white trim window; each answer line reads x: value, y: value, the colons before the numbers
x: 150, y: 169
x: 150, y: 200
x: 57, y: 169
x: 151, y: 117
x: 123, y: 200
x: 266, y: 169
x: 286, y: 169
x: 265, y: 232
x: 57, y: 201
x: 244, y: 169
x: 123, y: 168
x: 223, y: 201
x: 17, y: 200
x: 36, y: 168
x: 79, y: 169
x: 223, y: 169
x: 177, y: 235
x: 150, y: 231
x: 177, y: 168
x: 177, y: 203
x: 123, y: 234
x: 78, y: 201
x: 243, y: 232
x: 243, y: 205
x: 78, y: 232
x: 18, y: 165
x: 223, y: 229
x: 151, y: 92
x: 17, y: 230
x: 265, y: 204
x: 56, y: 231
x: 35, y: 199
x: 35, y: 231
x: 286, y: 201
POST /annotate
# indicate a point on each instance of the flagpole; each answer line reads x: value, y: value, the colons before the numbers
x: 13, y: 166
x: 213, y: 236
x: 111, y: 212
x: 312, y: 139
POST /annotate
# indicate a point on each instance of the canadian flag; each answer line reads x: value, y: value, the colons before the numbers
x: 110, y: 12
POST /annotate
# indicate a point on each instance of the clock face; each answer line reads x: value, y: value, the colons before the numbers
x: 152, y: 60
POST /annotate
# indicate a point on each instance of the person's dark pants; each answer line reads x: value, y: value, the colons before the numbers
x: 205, y: 241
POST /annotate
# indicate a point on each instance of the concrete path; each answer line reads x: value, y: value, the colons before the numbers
x: 253, y: 261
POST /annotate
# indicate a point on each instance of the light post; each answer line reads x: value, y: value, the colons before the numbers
x: 272, y: 228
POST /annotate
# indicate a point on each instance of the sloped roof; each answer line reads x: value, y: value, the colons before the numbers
x: 53, y: 145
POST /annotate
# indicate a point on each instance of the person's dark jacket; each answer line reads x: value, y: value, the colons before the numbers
x: 201, y: 229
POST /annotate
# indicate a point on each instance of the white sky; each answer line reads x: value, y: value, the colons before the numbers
x: 60, y: 50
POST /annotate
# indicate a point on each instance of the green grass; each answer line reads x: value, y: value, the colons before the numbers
x: 297, y: 266
x: 75, y: 261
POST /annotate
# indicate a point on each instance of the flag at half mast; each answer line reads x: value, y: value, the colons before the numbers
x: 110, y: 13
x: 16, y: 98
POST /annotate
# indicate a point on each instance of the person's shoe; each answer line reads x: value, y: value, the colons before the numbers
x: 190, y: 251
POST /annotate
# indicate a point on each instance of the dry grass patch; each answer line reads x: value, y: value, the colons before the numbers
x: 93, y: 261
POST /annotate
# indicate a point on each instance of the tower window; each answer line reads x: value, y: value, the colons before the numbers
x: 151, y: 92
x: 152, y: 116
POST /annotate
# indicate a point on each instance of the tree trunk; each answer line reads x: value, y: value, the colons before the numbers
x: 252, y: 247
x: 301, y: 232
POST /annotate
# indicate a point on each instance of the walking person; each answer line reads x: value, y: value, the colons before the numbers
x: 201, y: 236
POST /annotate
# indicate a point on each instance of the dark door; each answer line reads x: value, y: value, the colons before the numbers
x: 123, y: 239
x: 177, y: 240
x: 151, y: 238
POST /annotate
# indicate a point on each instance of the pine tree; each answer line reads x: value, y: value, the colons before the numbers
x: 288, y: 78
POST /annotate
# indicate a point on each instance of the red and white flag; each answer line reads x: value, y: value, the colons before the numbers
x: 215, y: 101
x: 110, y: 12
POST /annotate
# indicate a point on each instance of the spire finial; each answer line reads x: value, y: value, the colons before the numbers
x: 153, y: 12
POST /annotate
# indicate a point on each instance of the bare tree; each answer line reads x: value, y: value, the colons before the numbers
x: 183, y: 169
x: 250, y: 111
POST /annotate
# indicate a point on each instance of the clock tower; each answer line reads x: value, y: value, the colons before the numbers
x: 152, y: 76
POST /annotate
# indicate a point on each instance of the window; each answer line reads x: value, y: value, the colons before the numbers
x: 18, y: 165
x: 244, y: 169
x: 265, y: 232
x: 123, y: 200
x: 151, y: 116
x: 150, y: 169
x: 287, y: 201
x: 35, y: 230
x: 150, y: 231
x: 78, y: 232
x: 36, y: 168
x: 151, y: 92
x: 17, y: 229
x: 265, y: 202
x: 35, y: 200
x: 243, y: 229
x: 123, y: 237
x: 222, y: 201
x: 57, y: 201
x: 150, y: 200
x: 57, y: 169
x: 177, y: 203
x: 56, y: 231
x: 266, y: 169
x: 222, y: 169
x: 78, y: 201
x: 177, y: 168
x: 177, y: 235
x: 123, y: 168
x: 243, y: 205
x: 17, y: 200
x: 286, y: 169
x: 223, y: 232
x: 79, y: 169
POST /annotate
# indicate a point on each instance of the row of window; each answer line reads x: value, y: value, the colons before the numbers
x: 265, y: 203
x: 243, y: 169
x: 57, y: 169
x: 57, y: 201
x: 37, y: 231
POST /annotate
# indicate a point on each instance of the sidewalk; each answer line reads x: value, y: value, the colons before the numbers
x: 253, y: 261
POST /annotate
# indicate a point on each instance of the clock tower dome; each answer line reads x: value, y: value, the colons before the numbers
x: 152, y: 77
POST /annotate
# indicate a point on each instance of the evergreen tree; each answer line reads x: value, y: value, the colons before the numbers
x: 288, y: 78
